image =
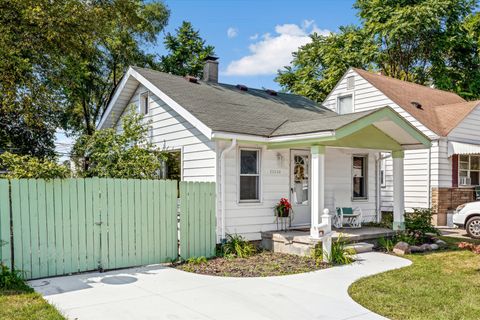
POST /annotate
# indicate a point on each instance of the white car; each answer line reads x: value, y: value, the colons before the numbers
x: 467, y: 216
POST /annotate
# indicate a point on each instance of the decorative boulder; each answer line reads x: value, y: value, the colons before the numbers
x: 414, y: 249
x: 426, y: 247
x: 401, y: 248
x: 434, y: 246
x: 441, y: 243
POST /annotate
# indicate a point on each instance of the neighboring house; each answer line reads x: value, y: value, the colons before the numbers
x: 441, y: 177
x: 260, y: 145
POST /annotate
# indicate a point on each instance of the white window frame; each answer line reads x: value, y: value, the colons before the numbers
x: 469, y: 170
x: 344, y: 95
x: 383, y: 173
x: 144, y: 108
x: 352, y: 79
x: 365, y: 177
x: 258, y: 174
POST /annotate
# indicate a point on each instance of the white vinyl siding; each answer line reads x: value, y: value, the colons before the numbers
x: 172, y: 132
x: 249, y: 219
x: 367, y: 97
x: 468, y: 130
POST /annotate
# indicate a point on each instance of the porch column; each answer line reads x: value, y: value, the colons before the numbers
x: 317, y: 201
x: 398, y: 191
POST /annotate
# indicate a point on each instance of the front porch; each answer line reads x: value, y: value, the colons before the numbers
x: 299, y: 241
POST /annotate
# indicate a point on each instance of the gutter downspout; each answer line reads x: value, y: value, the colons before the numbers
x: 429, y: 182
x: 223, y: 179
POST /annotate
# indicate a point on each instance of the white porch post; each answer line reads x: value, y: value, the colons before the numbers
x: 317, y: 201
x: 398, y: 191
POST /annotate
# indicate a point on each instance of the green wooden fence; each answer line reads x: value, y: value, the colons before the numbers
x: 73, y: 225
x: 197, y: 219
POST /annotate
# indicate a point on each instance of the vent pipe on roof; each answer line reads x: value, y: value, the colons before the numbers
x: 210, y: 69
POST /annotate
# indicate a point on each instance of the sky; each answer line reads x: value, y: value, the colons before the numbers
x: 253, y: 39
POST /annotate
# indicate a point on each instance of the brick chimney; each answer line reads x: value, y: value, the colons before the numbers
x: 210, y: 69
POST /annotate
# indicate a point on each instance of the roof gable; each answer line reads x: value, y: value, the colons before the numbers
x: 440, y: 111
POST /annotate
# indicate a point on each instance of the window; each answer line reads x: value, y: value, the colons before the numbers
x: 172, y: 166
x: 144, y: 101
x: 351, y: 83
x: 249, y: 175
x: 469, y: 170
x: 345, y: 105
x: 359, y: 174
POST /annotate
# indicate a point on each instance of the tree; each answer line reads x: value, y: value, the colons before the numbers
x: 187, y: 52
x: 33, y: 38
x: 94, y: 72
x: 61, y: 59
x: 128, y: 154
x: 318, y: 65
x: 415, y: 38
x: 424, y: 41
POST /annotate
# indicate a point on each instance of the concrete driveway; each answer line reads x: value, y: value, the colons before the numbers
x: 157, y: 292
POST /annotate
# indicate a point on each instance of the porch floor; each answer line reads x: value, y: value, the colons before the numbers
x: 298, y: 241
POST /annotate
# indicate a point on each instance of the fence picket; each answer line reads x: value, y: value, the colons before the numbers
x: 42, y: 229
x: 5, y: 245
x: 82, y: 236
x: 50, y: 228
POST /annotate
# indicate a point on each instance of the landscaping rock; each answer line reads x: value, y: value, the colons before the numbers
x: 414, y: 249
x: 401, y: 248
x: 441, y: 243
x: 426, y: 247
x: 434, y: 246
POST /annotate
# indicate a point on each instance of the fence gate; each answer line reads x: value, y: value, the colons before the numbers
x: 73, y: 225
x: 197, y: 219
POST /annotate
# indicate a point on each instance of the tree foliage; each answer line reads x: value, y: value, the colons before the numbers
x: 187, y: 52
x: 61, y: 59
x: 18, y: 167
x: 424, y: 41
x: 318, y: 65
x: 125, y: 154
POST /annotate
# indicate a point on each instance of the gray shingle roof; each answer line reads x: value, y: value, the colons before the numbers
x: 324, y: 124
x: 224, y: 107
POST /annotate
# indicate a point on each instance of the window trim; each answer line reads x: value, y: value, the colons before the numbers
x: 259, y: 174
x: 365, y: 176
x: 144, y: 109
x: 383, y: 173
x: 343, y: 95
x: 469, y: 170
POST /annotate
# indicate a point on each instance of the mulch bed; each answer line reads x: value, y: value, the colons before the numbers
x: 262, y: 264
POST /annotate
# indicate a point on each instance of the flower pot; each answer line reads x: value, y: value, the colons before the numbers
x: 283, y: 212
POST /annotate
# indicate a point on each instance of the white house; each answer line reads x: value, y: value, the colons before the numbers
x: 442, y: 177
x: 260, y: 145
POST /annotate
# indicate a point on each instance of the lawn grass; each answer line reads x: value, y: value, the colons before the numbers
x: 438, y: 285
x: 26, y: 305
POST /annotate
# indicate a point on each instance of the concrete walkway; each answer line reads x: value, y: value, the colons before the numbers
x: 157, y: 292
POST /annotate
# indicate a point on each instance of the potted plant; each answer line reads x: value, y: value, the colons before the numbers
x: 283, y: 208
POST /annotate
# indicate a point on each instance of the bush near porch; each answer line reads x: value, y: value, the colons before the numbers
x: 438, y: 285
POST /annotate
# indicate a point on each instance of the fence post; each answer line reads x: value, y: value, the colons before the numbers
x: 327, y: 235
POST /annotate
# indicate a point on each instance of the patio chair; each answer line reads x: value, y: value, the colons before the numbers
x: 347, y: 217
x: 477, y: 192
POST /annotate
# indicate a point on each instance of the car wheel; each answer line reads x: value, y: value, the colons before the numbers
x: 473, y: 227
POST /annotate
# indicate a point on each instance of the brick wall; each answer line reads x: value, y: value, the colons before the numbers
x: 446, y: 199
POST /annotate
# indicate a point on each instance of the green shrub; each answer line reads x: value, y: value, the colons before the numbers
x: 405, y: 237
x: 418, y: 224
x: 386, y: 244
x: 18, y: 166
x: 236, y: 246
x: 197, y: 260
x: 12, y: 279
x: 340, y: 254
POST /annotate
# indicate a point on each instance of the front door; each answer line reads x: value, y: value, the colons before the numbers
x: 300, y: 187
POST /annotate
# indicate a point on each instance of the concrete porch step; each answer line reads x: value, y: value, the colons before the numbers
x: 360, y: 247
